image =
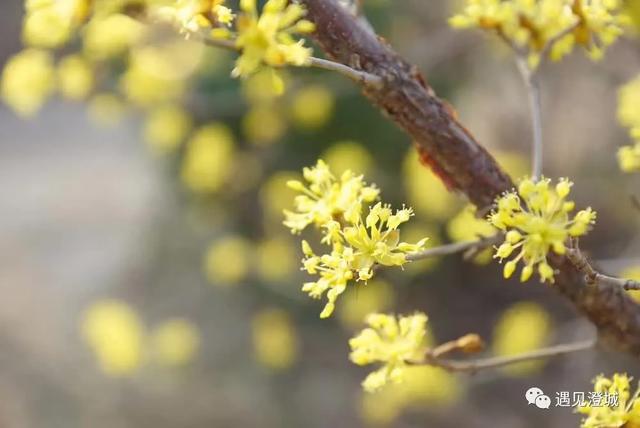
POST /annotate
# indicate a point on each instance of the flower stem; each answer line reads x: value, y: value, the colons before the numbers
x: 532, y: 83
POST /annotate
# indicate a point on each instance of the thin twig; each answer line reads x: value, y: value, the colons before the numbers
x: 476, y: 365
x: 362, y: 77
x: 457, y: 247
x: 592, y: 276
x: 532, y: 83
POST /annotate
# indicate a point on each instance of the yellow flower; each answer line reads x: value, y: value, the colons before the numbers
x: 389, y: 340
x: 208, y: 159
x: 632, y: 272
x: 275, y: 342
x: 326, y: 198
x: 537, y: 220
x: 75, y: 77
x: 629, y: 158
x: 335, y: 271
x: 357, y: 248
x: 605, y: 415
x: 268, y: 37
x: 116, y: 335
x: 357, y: 243
x: 227, y: 261
x: 49, y: 23
x: 535, y: 25
x: 175, y: 342
x: 194, y: 15
x: 27, y: 81
x: 166, y: 127
x: 523, y: 327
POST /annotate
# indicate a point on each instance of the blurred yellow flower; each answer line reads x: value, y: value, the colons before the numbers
x: 175, y: 342
x: 276, y: 259
x: 523, y: 327
x: 555, y: 26
x: 312, y: 107
x: 208, y: 159
x: 106, y: 109
x: 359, y: 301
x: 276, y: 196
x: 49, y: 23
x: 263, y: 124
x: 75, y: 77
x: 414, y: 232
x: 152, y: 78
x: 628, y: 110
x: 116, y: 335
x: 467, y: 226
x: 629, y: 158
x: 425, y: 192
x: 28, y: 80
x: 422, y: 387
x: 228, y: 261
x: 275, y: 341
x: 259, y: 87
x: 349, y: 155
x: 111, y: 35
x: 514, y: 163
x: 166, y: 127
x: 632, y: 272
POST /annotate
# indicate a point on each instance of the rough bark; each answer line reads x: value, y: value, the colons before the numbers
x: 456, y: 157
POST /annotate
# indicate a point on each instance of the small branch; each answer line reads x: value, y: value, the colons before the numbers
x: 361, y: 77
x: 457, y: 247
x: 364, y: 78
x: 473, y: 366
x: 555, y: 39
x: 532, y: 84
x: 593, y: 277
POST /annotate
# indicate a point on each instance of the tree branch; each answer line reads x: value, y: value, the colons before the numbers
x: 476, y: 365
x: 457, y: 247
x: 592, y: 276
x: 364, y: 78
x: 456, y: 157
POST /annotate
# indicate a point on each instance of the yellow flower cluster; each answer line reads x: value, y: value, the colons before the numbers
x: 553, y: 26
x: 268, y: 37
x: 392, y: 341
x: 627, y: 411
x: 357, y: 244
x: 537, y: 220
x: 196, y: 15
x: 629, y: 116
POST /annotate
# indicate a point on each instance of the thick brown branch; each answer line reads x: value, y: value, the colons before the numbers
x: 452, y: 152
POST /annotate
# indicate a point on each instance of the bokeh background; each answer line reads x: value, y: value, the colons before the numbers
x: 103, y: 234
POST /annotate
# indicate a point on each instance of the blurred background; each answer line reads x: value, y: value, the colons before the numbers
x: 147, y: 279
